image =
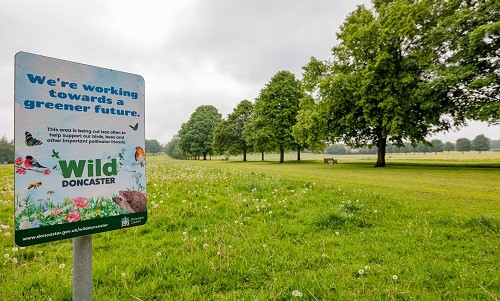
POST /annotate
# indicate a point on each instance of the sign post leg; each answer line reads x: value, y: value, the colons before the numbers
x: 82, y: 268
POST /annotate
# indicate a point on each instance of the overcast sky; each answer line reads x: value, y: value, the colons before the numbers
x: 189, y: 52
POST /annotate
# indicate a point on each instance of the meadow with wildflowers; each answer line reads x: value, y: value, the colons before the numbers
x: 217, y: 230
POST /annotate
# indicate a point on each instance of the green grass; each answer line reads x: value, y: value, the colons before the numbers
x: 262, y: 230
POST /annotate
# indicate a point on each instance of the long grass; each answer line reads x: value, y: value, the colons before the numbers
x: 229, y: 230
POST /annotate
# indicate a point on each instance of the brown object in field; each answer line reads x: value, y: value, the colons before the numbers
x: 328, y: 160
x: 131, y: 200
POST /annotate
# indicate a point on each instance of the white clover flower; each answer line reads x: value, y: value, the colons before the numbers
x: 395, y: 277
x: 297, y: 293
x: 361, y: 272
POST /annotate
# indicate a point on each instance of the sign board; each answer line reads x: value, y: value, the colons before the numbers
x: 79, y: 149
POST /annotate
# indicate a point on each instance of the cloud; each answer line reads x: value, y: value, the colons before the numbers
x: 190, y: 53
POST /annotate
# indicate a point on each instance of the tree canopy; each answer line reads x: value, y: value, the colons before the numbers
x: 6, y: 151
x: 275, y: 113
x: 153, y: 146
x: 480, y: 143
x: 196, y: 135
x: 372, y: 91
x: 229, y: 135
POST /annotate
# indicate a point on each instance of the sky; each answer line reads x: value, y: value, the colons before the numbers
x: 190, y: 52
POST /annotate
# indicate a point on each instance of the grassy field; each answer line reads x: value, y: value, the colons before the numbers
x: 426, y: 227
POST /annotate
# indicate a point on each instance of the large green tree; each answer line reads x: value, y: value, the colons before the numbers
x: 481, y: 143
x: 229, y: 135
x: 373, y: 89
x: 463, y: 145
x: 196, y: 135
x: 153, y: 146
x: 467, y: 40
x: 275, y: 113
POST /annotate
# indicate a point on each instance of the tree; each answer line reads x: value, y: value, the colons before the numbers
x: 481, y: 143
x: 196, y: 135
x: 373, y: 90
x: 437, y: 146
x: 6, y: 151
x: 153, y: 146
x: 463, y: 145
x: 467, y: 40
x: 275, y: 113
x: 449, y: 147
x: 336, y: 149
x: 172, y: 149
x: 229, y: 135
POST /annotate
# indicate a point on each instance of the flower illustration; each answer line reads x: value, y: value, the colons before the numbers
x: 57, y: 211
x: 24, y: 225
x: 35, y: 224
x: 19, y: 161
x: 46, y: 171
x: 73, y: 216
x: 81, y: 202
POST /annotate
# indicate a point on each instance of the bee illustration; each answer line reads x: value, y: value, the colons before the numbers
x: 30, y: 141
x: 34, y: 185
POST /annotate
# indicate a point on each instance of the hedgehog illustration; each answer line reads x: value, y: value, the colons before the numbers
x: 131, y: 200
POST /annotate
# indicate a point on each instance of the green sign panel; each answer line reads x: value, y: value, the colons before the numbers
x: 79, y: 140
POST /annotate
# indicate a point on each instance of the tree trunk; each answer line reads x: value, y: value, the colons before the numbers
x: 244, y: 155
x: 204, y: 156
x: 381, y: 144
x: 262, y: 156
x: 282, y: 155
x: 298, y: 154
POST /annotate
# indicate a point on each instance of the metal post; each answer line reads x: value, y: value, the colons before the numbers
x: 82, y: 268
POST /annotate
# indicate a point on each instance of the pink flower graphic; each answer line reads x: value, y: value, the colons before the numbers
x: 46, y: 171
x: 80, y: 202
x: 21, y: 171
x: 73, y: 216
x: 19, y: 161
x: 57, y: 211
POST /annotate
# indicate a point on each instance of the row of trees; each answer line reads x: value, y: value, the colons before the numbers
x: 480, y: 143
x: 401, y: 71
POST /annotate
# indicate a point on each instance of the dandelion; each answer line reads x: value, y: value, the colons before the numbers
x: 218, y: 253
x: 62, y: 266
x: 337, y: 233
x: 158, y: 254
x: 205, y: 245
x: 22, y: 248
x: 7, y: 233
x: 264, y: 246
x: 14, y: 260
x: 204, y: 230
x: 270, y: 212
x: 375, y: 211
x: 6, y: 256
x: 14, y: 249
x: 361, y: 272
x: 124, y: 274
x: 297, y: 293
x: 395, y: 277
x: 184, y: 201
x: 367, y: 267
x: 184, y: 233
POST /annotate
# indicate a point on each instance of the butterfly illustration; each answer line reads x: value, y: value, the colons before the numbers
x: 34, y: 185
x: 55, y: 154
x: 135, y: 127
x: 30, y: 141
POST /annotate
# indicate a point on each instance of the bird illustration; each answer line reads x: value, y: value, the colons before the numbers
x: 31, y: 162
x: 30, y: 141
x: 140, y: 155
x: 55, y: 154
x: 135, y: 127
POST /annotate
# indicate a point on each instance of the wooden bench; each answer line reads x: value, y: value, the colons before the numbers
x: 328, y: 160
